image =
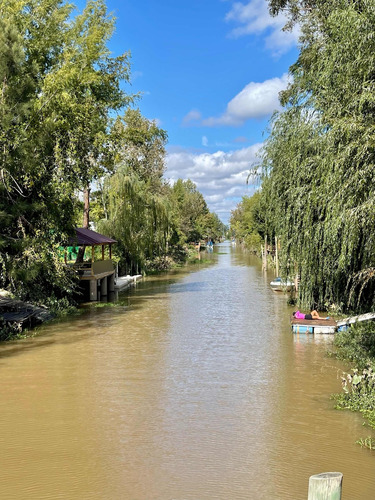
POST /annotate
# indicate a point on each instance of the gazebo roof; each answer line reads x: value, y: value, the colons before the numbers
x: 88, y: 237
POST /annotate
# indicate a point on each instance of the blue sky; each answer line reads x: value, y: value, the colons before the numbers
x: 210, y: 72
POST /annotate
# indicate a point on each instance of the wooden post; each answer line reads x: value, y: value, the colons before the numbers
x: 326, y: 486
x: 102, y: 252
x: 276, y: 256
x: 110, y: 251
x: 265, y: 254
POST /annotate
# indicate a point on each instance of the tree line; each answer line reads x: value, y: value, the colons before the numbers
x: 68, y: 127
x: 317, y: 165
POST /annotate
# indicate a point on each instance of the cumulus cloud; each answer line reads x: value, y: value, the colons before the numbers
x: 256, y: 100
x: 220, y: 176
x: 254, y: 19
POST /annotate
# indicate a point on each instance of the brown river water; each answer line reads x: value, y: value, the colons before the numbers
x: 190, y: 386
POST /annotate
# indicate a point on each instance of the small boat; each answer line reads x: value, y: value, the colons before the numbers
x: 281, y: 285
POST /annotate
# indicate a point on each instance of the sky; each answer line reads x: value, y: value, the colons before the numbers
x: 209, y: 72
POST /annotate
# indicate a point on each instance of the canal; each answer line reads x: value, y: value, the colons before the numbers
x: 190, y: 386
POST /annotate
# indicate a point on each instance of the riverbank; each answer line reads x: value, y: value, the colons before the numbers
x: 18, y: 317
x: 357, y: 347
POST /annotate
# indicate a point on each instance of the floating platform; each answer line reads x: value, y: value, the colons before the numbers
x: 314, y: 325
x: 328, y: 325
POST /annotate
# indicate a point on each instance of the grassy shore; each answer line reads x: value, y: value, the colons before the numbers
x: 357, y: 347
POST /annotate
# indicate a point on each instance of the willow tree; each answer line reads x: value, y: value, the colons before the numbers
x: 139, y: 219
x: 59, y: 85
x: 190, y: 208
x: 134, y: 196
x: 318, y: 162
x: 246, y: 222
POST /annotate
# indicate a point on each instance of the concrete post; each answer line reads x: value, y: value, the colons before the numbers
x: 103, y: 287
x: 111, y: 282
x: 93, y: 290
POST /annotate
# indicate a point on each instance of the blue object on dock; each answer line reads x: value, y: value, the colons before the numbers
x: 343, y: 328
x: 302, y: 329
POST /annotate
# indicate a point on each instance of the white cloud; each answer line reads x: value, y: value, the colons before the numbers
x: 256, y: 100
x: 254, y: 19
x: 220, y: 176
x: 192, y: 117
x: 204, y: 141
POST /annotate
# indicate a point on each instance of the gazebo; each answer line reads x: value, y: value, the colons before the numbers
x: 100, y: 272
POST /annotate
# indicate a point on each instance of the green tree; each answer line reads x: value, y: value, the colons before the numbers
x: 190, y: 208
x: 246, y: 222
x: 141, y: 146
x: 138, y: 218
x: 133, y: 200
x: 59, y: 86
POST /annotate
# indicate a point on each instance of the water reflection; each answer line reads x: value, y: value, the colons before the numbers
x: 191, y: 386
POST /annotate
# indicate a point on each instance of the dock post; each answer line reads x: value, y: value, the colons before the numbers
x: 277, y: 255
x: 325, y: 486
x: 265, y: 254
x: 111, y: 282
x: 103, y: 286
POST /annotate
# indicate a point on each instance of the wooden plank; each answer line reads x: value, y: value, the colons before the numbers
x: 313, y: 322
x: 355, y: 319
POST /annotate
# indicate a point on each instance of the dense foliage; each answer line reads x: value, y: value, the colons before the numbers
x: 247, y: 224
x: 66, y: 126
x: 318, y: 184
x: 357, y: 345
x: 58, y: 86
x: 153, y: 222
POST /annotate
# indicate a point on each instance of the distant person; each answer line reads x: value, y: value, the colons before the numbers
x: 313, y: 315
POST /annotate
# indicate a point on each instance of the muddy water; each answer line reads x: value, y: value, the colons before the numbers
x: 190, y: 387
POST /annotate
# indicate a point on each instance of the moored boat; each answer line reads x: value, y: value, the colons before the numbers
x: 281, y: 285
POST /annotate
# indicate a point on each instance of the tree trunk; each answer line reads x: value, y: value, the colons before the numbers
x: 86, y: 209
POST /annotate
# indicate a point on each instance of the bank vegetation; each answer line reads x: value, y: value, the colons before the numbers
x: 317, y: 193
